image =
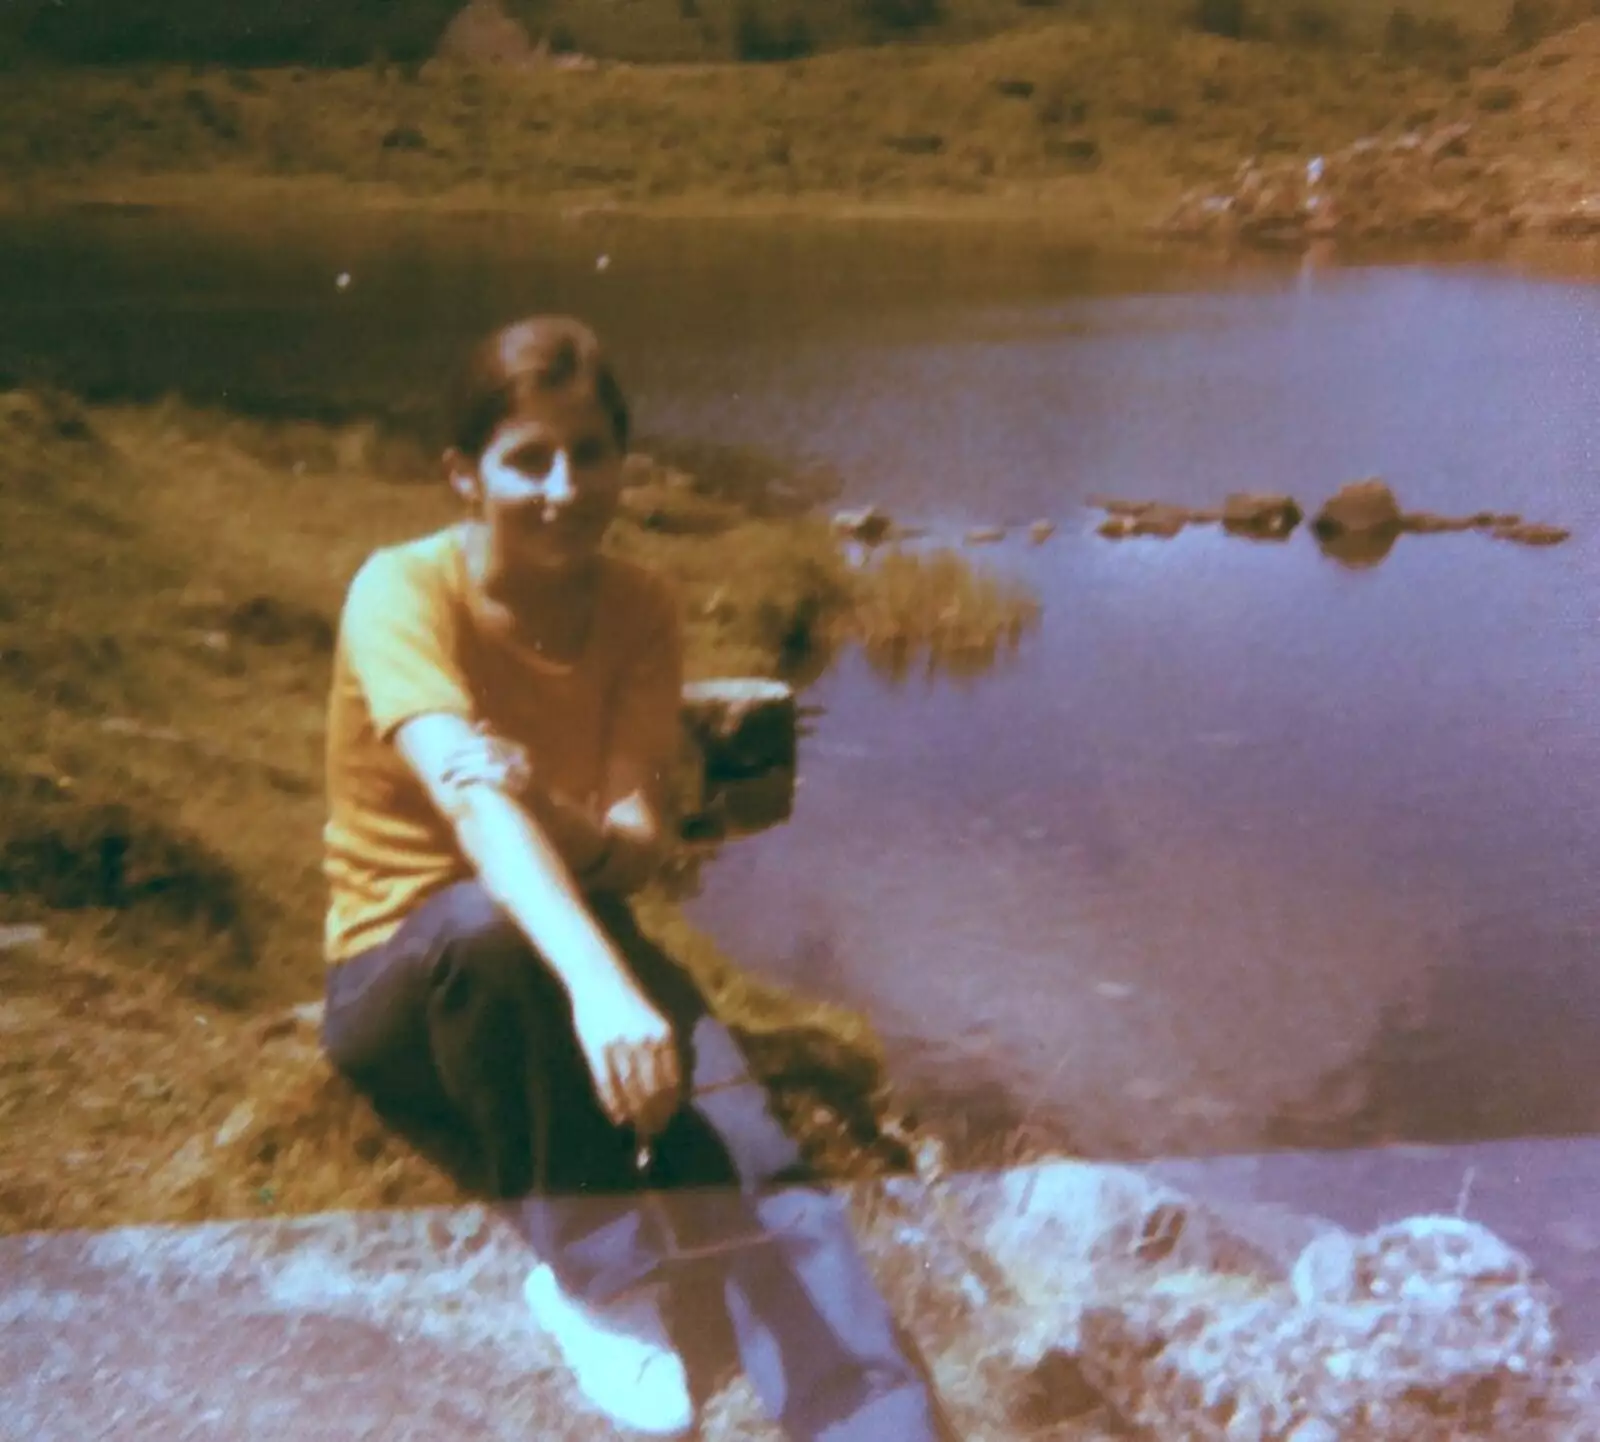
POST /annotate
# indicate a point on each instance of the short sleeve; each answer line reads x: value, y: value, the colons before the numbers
x: 398, y: 635
x: 645, y: 732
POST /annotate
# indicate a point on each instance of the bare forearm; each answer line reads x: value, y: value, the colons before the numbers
x: 521, y: 867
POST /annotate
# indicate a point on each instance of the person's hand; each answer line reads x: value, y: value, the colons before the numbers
x: 631, y: 1053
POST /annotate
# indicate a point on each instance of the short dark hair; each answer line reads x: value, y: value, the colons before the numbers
x: 535, y: 356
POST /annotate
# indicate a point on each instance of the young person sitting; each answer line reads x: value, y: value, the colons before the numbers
x: 503, y: 719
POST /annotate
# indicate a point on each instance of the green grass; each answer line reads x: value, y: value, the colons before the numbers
x: 171, y: 581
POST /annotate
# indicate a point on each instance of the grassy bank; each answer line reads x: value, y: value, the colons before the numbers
x: 171, y: 580
x: 1098, y: 123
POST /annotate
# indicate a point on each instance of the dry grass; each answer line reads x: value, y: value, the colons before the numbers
x: 1101, y: 121
x: 171, y: 581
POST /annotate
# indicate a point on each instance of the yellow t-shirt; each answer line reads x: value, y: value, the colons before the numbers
x: 410, y: 643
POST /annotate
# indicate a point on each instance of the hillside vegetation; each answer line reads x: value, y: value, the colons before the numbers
x: 1099, y: 123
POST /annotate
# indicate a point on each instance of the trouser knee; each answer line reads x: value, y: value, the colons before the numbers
x: 483, y: 957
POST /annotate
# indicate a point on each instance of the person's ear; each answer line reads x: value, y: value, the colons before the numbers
x: 463, y: 477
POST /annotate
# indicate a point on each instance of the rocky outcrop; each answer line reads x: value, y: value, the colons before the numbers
x: 1107, y: 1289
x: 743, y: 725
x: 1511, y: 156
x: 1427, y: 1330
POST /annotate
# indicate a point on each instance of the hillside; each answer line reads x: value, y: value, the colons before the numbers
x: 1100, y: 126
x: 1513, y: 155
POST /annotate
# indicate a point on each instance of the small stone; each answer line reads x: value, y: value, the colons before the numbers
x: 1041, y: 531
x: 1266, y: 515
x: 238, y: 1122
x: 1314, y: 1429
x: 14, y: 938
x: 985, y: 535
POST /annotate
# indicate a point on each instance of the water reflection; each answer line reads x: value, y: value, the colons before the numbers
x: 1500, y: 1043
x: 1358, y: 550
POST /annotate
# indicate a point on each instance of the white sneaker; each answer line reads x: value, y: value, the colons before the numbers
x: 621, y: 1356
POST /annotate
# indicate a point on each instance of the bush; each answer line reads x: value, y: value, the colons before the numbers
x: 759, y: 39
x: 898, y: 16
x: 1227, y: 18
x: 1428, y: 40
x: 1530, y: 21
x: 1311, y: 23
x: 240, y: 33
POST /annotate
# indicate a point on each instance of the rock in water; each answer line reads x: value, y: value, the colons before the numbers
x: 1261, y: 515
x: 743, y: 725
x: 1161, y: 520
x: 1529, y: 534
x: 1365, y: 508
x: 867, y: 524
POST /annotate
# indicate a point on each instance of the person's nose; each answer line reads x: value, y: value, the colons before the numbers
x: 557, y: 489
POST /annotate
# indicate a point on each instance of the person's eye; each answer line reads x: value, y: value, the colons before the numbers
x: 589, y: 453
x: 533, y: 461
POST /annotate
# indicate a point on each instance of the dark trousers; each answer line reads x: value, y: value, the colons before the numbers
x: 457, y: 1018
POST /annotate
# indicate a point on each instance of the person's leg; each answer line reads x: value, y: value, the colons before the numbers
x: 815, y: 1334
x: 456, y: 1014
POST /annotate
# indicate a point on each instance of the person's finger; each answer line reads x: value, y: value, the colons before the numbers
x: 632, y: 1090
x: 655, y: 1070
x: 607, y: 1091
x: 671, y: 1076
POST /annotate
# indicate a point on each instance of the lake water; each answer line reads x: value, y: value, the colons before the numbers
x: 1244, y: 846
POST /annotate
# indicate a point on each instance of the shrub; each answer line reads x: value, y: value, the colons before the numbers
x: 1312, y: 23
x: 1530, y: 21
x: 761, y: 40
x: 898, y: 16
x: 1427, y: 40
x: 1227, y: 18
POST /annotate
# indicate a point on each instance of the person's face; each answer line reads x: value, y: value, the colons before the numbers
x: 547, y: 484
